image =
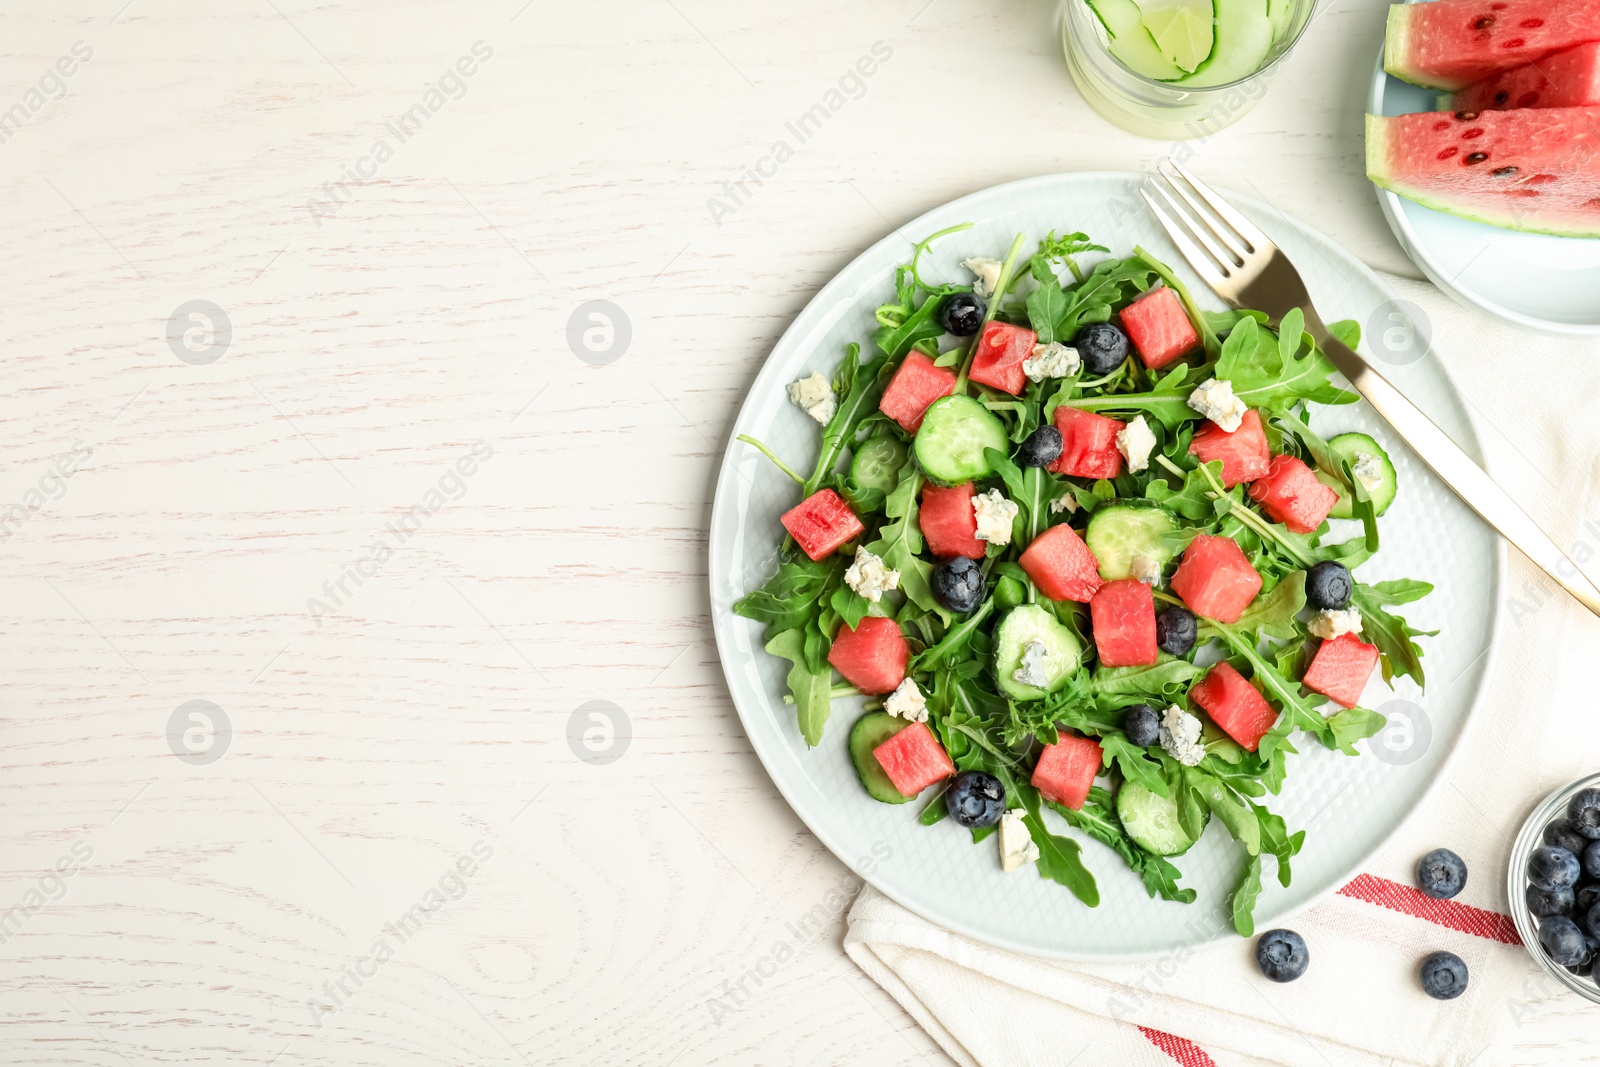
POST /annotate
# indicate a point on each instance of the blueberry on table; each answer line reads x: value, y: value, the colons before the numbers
x: 958, y: 584
x: 976, y: 799
x: 1141, y: 724
x: 1042, y: 448
x: 1176, y: 630
x: 1550, y: 867
x: 1441, y: 874
x: 1561, y: 834
x: 1102, y: 347
x: 1282, y: 955
x: 961, y: 314
x: 1444, y: 976
x: 1328, y: 586
x: 1543, y: 902
x: 1583, y: 813
x: 1562, y: 940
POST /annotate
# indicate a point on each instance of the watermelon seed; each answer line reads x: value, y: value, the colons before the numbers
x: 1501, y: 97
x: 1441, y: 125
x: 1497, y: 7
x: 1475, y: 157
x: 1515, y: 42
x: 1484, y: 22
x: 1504, y: 172
x: 1448, y: 152
x: 1528, y: 99
x: 1472, y: 134
x: 1531, y: 24
x: 1466, y: 116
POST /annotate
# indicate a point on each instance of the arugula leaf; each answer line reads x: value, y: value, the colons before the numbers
x: 1242, y: 902
x: 1191, y: 809
x: 1166, y: 680
x: 900, y: 541
x: 850, y: 605
x: 1276, y: 839
x: 813, y: 697
x: 1047, y: 305
x: 789, y: 598
x: 1392, y: 634
x: 1098, y: 819
x: 858, y: 388
x: 1225, y: 805
x: 1274, y: 615
x: 1062, y: 248
x: 1059, y: 857
x: 1263, y: 378
x: 1352, y: 724
x: 1133, y: 761
x: 1168, y: 402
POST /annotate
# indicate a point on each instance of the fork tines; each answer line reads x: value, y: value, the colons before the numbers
x: 1213, y: 235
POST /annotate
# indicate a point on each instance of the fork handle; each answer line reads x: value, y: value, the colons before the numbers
x: 1480, y: 492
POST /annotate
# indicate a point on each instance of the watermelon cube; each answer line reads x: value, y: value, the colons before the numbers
x: 1062, y: 566
x: 916, y: 384
x: 949, y: 523
x: 1566, y: 79
x: 1066, y: 770
x: 821, y: 523
x: 1215, y: 579
x: 1159, y: 328
x: 1341, y: 669
x: 873, y: 656
x: 913, y: 759
x: 1291, y: 494
x: 997, y: 362
x: 1244, y: 452
x: 1088, y: 444
x: 1124, y: 617
x: 1234, y: 705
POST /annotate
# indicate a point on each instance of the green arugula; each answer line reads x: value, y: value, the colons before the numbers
x: 812, y: 689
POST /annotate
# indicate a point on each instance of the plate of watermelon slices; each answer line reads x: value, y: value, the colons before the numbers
x: 1483, y: 136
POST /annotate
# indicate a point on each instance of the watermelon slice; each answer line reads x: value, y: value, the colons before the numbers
x: 1062, y: 566
x: 1159, y: 328
x: 1234, y: 705
x: 873, y: 656
x: 1215, y: 579
x: 1124, y: 617
x: 913, y: 759
x: 949, y: 523
x: 821, y: 523
x: 1450, y: 44
x: 1066, y: 770
x: 997, y: 362
x: 915, y: 385
x: 1291, y: 493
x: 1537, y: 169
x: 1088, y: 444
x: 1566, y: 79
x: 1244, y: 452
x: 1341, y: 668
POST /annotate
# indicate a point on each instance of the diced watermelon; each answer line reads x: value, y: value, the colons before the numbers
x: 1088, y: 444
x: 1062, y: 566
x: 873, y: 656
x: 1066, y: 770
x: 1159, y: 328
x: 1566, y: 79
x: 821, y: 523
x: 1292, y: 495
x: 998, y: 361
x: 1234, y: 705
x: 1341, y: 668
x: 1453, y: 43
x: 948, y: 521
x: 1244, y: 452
x: 916, y: 384
x: 1215, y: 579
x: 1124, y: 617
x: 913, y: 759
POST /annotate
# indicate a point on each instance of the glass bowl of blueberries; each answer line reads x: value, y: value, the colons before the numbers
x: 1554, y: 885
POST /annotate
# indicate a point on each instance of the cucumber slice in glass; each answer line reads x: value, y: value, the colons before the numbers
x: 1181, y: 29
x: 1120, y: 533
x: 1152, y: 820
x: 1021, y: 626
x: 877, y: 463
x: 870, y: 731
x: 1352, y: 447
x: 1244, y: 40
x: 950, y: 443
x: 1130, y: 40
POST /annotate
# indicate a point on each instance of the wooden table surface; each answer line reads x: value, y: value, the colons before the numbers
x: 301, y: 424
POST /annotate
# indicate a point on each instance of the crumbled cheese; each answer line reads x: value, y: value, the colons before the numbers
x: 1054, y: 360
x: 1180, y: 736
x: 907, y: 702
x: 869, y: 577
x: 814, y: 396
x: 1135, y: 441
x: 1067, y: 502
x: 1145, y: 569
x: 1215, y: 400
x: 1016, y: 844
x: 994, y: 514
x: 986, y: 275
x: 1368, y: 470
x: 1328, y: 624
x: 1035, y: 669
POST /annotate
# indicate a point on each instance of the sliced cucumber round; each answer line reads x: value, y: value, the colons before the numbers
x: 1021, y: 627
x: 1152, y: 820
x: 1243, y: 42
x: 955, y: 430
x: 1360, y: 450
x: 870, y: 731
x: 1119, y: 534
x: 877, y: 463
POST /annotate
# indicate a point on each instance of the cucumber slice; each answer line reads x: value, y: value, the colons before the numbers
x: 1118, y: 534
x: 950, y: 443
x: 1181, y: 29
x: 1152, y: 820
x: 1244, y: 40
x: 870, y: 731
x: 1130, y: 40
x: 877, y: 463
x: 1016, y: 631
x: 1352, y: 447
x: 1281, y: 14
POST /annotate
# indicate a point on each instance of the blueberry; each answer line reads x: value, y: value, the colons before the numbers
x: 1562, y: 940
x: 1583, y: 812
x: 1552, y: 868
x: 1444, y: 976
x: 1561, y: 834
x: 1141, y: 724
x: 1282, y: 955
x: 1176, y: 630
x: 975, y: 799
x: 1543, y: 902
x: 1587, y: 897
x: 1102, y: 347
x: 1042, y: 448
x: 958, y: 584
x: 1328, y: 586
x: 961, y: 314
x: 1441, y: 874
x: 1591, y: 919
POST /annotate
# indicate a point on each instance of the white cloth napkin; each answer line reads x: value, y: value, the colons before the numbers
x: 1360, y: 1002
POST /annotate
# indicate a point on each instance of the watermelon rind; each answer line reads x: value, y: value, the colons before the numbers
x: 1397, y: 43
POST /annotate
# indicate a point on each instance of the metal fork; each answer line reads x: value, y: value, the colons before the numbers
x: 1244, y: 267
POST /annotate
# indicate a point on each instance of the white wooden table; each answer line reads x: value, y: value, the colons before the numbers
x: 397, y: 534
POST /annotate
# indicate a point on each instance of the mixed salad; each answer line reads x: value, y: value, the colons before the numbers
x: 1066, y: 532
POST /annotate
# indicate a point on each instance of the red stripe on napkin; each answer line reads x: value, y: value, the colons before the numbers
x: 1405, y: 899
x: 1186, y: 1052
